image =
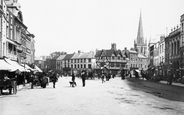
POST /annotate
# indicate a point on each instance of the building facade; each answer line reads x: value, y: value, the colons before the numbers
x: 59, y: 63
x: 174, y: 48
x: 14, y: 41
x: 182, y: 45
x: 114, y: 60
x: 83, y: 60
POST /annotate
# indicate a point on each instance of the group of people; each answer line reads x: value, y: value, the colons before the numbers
x: 83, y: 77
x: 42, y: 79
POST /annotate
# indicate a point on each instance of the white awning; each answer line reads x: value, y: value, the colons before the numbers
x: 27, y: 67
x: 6, y: 66
x: 15, y: 65
x: 137, y: 70
x: 38, y: 69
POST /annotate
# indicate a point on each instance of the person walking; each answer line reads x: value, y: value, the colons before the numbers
x: 44, y: 80
x: 32, y: 80
x: 73, y: 79
x: 54, y: 79
x: 83, y: 76
x: 103, y: 77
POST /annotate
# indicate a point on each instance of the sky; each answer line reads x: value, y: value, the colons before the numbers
x: 87, y: 25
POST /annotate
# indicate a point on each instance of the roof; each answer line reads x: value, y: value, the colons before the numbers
x: 87, y: 55
x: 141, y: 56
x: 107, y: 53
x: 55, y: 57
x: 76, y: 55
x: 68, y: 56
x: 61, y: 57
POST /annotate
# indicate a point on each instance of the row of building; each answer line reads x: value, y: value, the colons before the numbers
x: 168, y: 53
x: 111, y: 58
x: 16, y: 42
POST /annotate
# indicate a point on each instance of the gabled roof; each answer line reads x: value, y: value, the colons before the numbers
x: 98, y: 53
x: 61, y: 57
x: 76, y: 55
x: 55, y: 57
x: 68, y: 56
x: 107, y: 53
x: 87, y: 55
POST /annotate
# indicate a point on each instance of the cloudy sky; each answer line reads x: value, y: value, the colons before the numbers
x: 72, y: 25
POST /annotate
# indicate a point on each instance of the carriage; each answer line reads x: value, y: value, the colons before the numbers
x: 8, y: 84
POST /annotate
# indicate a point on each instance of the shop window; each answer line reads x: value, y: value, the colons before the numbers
x: 89, y: 66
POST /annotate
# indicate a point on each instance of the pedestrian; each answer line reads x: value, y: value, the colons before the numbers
x: 103, y: 77
x: 73, y: 79
x: 170, y: 78
x: 122, y: 74
x: 54, y: 79
x: 83, y: 76
x: 44, y: 80
x: 32, y: 81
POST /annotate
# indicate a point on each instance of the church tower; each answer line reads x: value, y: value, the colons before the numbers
x: 141, y: 45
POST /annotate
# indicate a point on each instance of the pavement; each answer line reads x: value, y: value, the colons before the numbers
x: 115, y: 97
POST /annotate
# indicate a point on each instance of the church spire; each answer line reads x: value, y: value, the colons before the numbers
x: 140, y: 38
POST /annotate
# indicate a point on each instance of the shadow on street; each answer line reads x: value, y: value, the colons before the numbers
x: 170, y: 92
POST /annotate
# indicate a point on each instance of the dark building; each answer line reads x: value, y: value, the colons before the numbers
x: 112, y: 59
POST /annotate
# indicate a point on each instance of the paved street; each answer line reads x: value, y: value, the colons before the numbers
x: 114, y: 97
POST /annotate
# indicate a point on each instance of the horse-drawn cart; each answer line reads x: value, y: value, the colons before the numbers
x: 8, y: 84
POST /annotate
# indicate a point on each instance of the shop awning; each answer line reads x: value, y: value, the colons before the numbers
x: 27, y: 67
x: 6, y: 66
x: 15, y: 64
x: 38, y: 69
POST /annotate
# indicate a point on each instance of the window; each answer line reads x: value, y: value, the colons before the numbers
x: 112, y: 64
x: 89, y: 66
x: 113, y: 57
x: 11, y: 32
x: 89, y: 60
x: 81, y: 66
x: 118, y: 57
x: 84, y: 65
x: 7, y: 31
x: 117, y: 64
x: 71, y: 66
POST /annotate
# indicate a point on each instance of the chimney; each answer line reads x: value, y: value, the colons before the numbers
x: 113, y: 46
x: 79, y: 51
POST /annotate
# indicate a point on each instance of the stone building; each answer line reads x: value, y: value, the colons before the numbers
x: 172, y: 51
x: 16, y: 43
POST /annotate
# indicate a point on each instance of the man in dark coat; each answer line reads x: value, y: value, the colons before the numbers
x: 54, y: 79
x: 83, y: 76
x: 44, y: 80
x: 122, y: 74
x: 73, y: 79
